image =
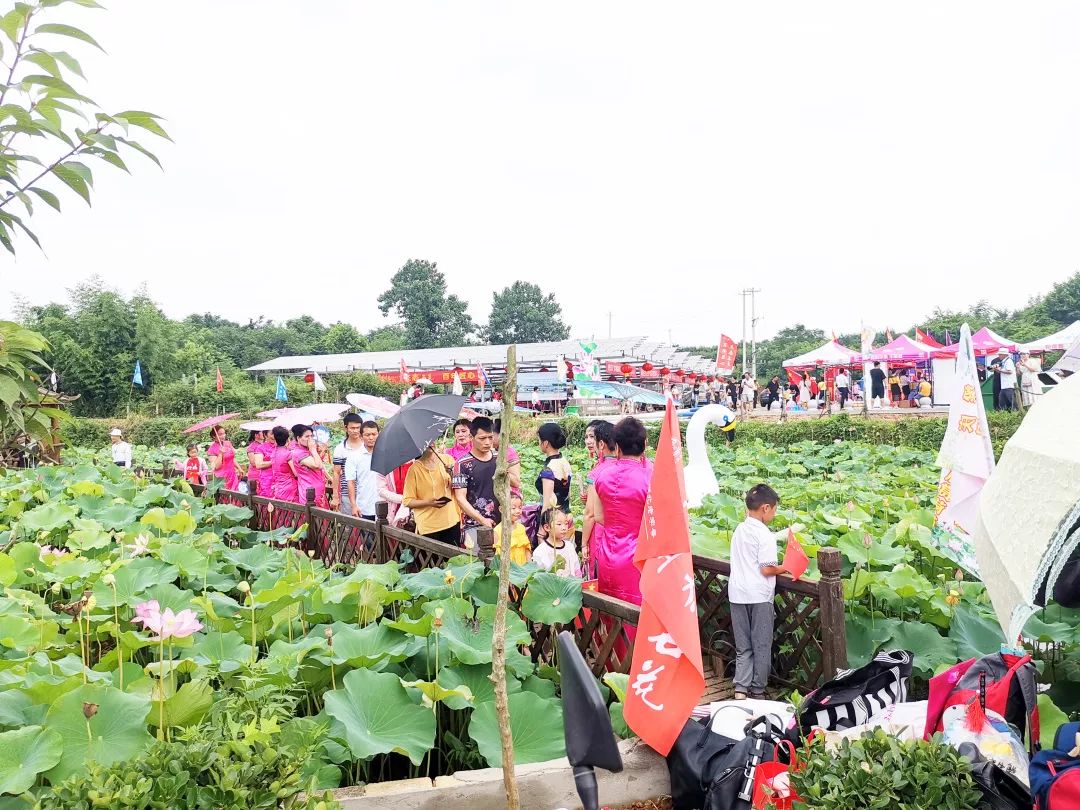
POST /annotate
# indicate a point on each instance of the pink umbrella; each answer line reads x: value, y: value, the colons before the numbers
x: 373, y: 405
x: 265, y: 424
x: 209, y: 423
x: 318, y: 412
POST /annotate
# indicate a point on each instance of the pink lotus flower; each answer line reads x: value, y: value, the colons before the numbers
x: 164, y: 623
x: 49, y: 551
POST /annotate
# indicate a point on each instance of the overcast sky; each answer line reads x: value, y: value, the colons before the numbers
x: 852, y: 160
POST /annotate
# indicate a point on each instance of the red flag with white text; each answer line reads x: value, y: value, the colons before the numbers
x: 220, y: 382
x: 727, y: 351
x: 666, y: 675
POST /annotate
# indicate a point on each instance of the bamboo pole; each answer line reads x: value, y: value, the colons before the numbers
x: 498, y: 640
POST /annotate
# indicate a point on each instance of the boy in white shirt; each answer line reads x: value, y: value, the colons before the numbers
x: 751, y: 589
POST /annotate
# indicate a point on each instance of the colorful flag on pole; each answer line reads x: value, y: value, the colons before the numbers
x: 666, y: 676
x: 966, y: 459
x: 220, y: 382
x: 281, y: 395
x: 482, y: 376
x: 727, y: 353
x: 948, y: 338
x: 457, y: 388
x: 136, y: 378
x: 52, y: 381
x: 318, y: 383
x: 927, y: 339
x: 406, y: 378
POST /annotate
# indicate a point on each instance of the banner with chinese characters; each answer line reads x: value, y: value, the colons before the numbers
x: 727, y: 352
x: 966, y: 459
x: 666, y: 676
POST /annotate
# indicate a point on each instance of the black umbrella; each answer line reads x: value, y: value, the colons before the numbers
x: 586, y: 724
x: 413, y: 428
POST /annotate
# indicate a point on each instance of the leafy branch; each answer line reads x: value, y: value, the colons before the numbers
x: 39, y: 106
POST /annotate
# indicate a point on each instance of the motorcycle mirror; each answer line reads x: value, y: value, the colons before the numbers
x: 590, y: 740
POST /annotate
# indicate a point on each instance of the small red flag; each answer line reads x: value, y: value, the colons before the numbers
x: 666, y: 676
x: 927, y: 339
x: 795, y: 560
x: 220, y: 382
x: 727, y: 351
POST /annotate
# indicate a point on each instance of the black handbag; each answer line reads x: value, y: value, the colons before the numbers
x: 712, y: 772
x: 1000, y: 789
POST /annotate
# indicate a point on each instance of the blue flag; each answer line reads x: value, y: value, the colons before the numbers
x: 282, y: 395
x: 136, y: 378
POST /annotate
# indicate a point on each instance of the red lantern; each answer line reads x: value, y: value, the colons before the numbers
x: 626, y: 368
x: 646, y: 366
x: 691, y: 375
x: 664, y: 371
x: 309, y: 378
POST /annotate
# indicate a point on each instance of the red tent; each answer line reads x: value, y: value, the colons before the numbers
x: 902, y: 349
x: 927, y: 339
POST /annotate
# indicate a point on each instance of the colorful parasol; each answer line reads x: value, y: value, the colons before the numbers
x: 373, y: 405
x: 209, y: 423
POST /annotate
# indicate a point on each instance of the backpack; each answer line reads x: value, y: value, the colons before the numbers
x: 709, y: 771
x: 1055, y: 780
x: 1010, y: 692
x: 1000, y: 789
x: 855, y: 695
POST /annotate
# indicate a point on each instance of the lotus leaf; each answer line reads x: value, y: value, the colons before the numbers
x: 932, y: 652
x: 13, y: 707
x: 47, y: 517
x: 258, y: 560
x: 974, y: 633
x: 469, y: 639
x: 475, y: 678
x: 379, y: 717
x: 226, y: 651
x: 866, y: 637
x: 435, y: 693
x: 539, y: 686
x: 415, y: 627
x: 536, y: 725
x: 24, y: 753
x: 187, y: 707
x: 552, y: 599
x: 116, y: 732
x: 132, y: 582
x: 618, y: 681
x: 370, y: 646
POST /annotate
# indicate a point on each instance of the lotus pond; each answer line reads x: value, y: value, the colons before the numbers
x: 139, y: 622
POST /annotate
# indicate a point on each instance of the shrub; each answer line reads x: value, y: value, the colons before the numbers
x: 879, y: 772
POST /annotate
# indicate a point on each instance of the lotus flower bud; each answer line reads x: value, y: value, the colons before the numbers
x: 449, y: 578
x: 959, y: 576
x: 91, y: 602
x: 89, y: 710
x: 109, y: 580
x: 55, y: 587
x: 29, y: 570
x: 850, y: 506
x: 243, y: 587
x: 329, y: 633
x: 184, y: 504
x: 311, y: 553
x: 867, y: 540
x: 270, y: 508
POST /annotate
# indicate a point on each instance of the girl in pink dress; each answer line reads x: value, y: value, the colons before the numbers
x: 222, y: 458
x: 282, y: 480
x: 617, y: 497
x: 307, y: 466
x: 259, y: 471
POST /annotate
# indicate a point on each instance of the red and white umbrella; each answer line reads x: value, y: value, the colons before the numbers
x: 205, y: 424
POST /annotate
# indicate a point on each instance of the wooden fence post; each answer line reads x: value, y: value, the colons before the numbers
x: 485, y: 545
x: 831, y: 613
x: 309, y: 503
x: 253, y: 490
x: 381, y: 551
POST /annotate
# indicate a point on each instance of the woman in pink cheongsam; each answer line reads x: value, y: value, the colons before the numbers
x: 307, y: 465
x: 222, y: 458
x: 283, y: 485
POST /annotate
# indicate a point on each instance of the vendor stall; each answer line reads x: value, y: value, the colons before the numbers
x: 1057, y: 342
x: 832, y: 353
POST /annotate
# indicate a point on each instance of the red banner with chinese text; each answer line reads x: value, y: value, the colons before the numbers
x: 666, y: 675
x: 727, y: 352
x: 443, y: 376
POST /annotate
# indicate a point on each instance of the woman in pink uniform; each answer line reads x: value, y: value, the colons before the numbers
x: 307, y: 465
x: 600, y: 434
x: 222, y: 458
x: 259, y: 454
x: 617, y: 498
x: 282, y: 480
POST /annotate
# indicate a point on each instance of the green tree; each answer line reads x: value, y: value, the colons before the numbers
x: 387, y: 338
x: 342, y: 338
x: 50, y: 132
x: 1062, y: 303
x: 522, y: 313
x: 431, y: 318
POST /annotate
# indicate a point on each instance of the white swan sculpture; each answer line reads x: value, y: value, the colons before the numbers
x: 698, y: 473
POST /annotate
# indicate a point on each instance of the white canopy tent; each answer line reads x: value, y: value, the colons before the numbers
x: 1057, y: 342
x: 831, y: 353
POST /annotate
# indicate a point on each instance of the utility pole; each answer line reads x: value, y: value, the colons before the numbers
x: 751, y: 292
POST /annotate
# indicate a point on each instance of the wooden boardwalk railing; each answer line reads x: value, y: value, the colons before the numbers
x: 809, y: 640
